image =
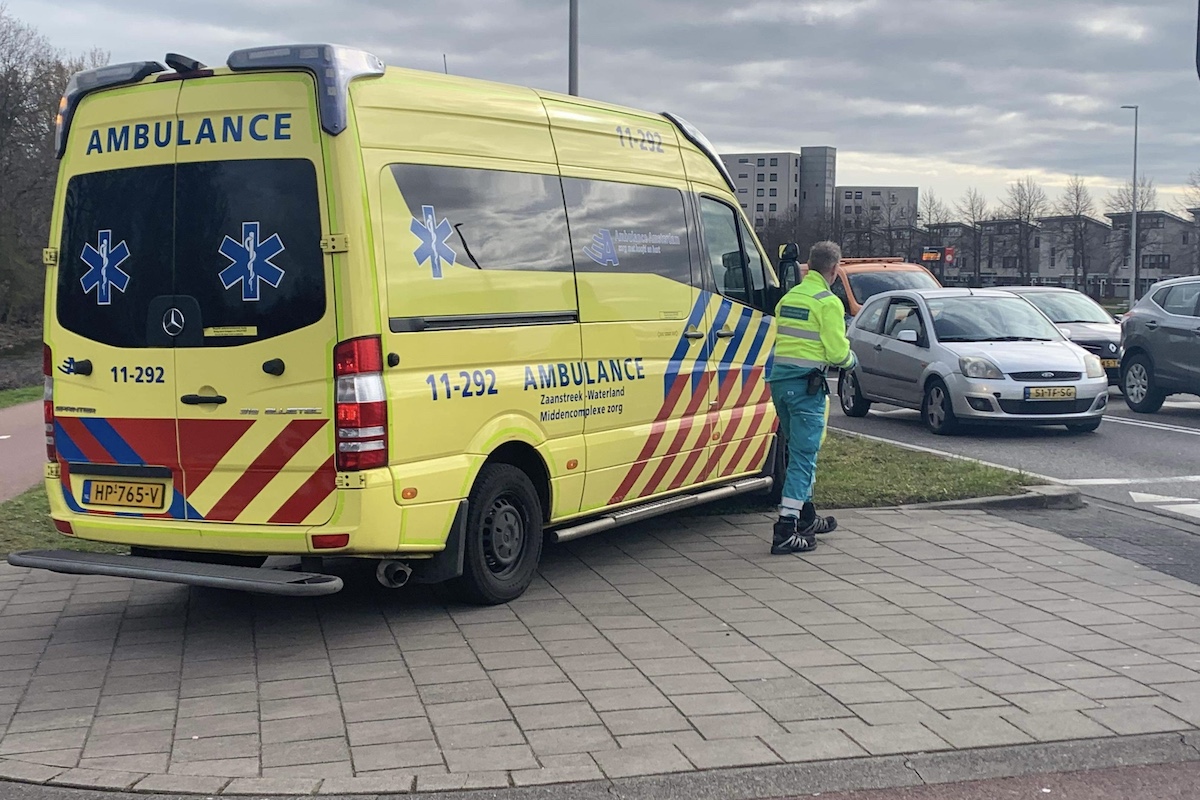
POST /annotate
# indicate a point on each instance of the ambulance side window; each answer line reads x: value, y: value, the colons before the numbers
x: 496, y: 220
x: 733, y: 258
x: 754, y: 265
x: 623, y: 227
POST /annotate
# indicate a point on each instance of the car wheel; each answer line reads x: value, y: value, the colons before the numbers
x: 937, y: 409
x: 1085, y: 427
x: 504, y: 536
x: 1137, y: 383
x: 851, y: 399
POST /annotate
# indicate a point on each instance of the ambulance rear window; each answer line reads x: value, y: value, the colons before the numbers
x: 248, y: 247
x: 115, y: 253
x: 239, y: 241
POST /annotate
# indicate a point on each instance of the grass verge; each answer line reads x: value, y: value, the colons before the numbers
x: 14, y: 397
x: 862, y: 473
x: 25, y: 525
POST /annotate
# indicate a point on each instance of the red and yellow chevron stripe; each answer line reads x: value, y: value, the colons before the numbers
x: 729, y: 385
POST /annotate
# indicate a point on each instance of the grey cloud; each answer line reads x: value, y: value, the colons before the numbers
x: 1007, y: 84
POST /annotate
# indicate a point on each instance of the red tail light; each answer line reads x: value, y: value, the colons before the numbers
x: 48, y: 401
x: 361, y: 408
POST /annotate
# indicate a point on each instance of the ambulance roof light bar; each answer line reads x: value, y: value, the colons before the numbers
x: 334, y: 66
x: 693, y: 135
x: 91, y: 80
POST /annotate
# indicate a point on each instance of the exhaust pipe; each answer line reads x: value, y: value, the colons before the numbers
x: 393, y: 574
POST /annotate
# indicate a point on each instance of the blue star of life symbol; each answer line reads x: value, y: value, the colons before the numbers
x: 104, y: 267
x: 433, y: 236
x: 251, y: 259
x: 602, y: 250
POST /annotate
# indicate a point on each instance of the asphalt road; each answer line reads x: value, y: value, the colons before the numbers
x: 1150, y: 462
x: 22, y: 452
x: 1160, y: 782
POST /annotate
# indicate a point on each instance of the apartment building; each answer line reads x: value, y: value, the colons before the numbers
x: 1073, y: 248
x: 876, y: 206
x: 1166, y: 249
x: 785, y: 185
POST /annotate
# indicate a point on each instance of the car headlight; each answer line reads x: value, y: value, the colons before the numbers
x: 1094, y: 368
x: 976, y: 367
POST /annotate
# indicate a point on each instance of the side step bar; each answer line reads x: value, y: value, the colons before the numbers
x: 192, y: 573
x: 671, y: 504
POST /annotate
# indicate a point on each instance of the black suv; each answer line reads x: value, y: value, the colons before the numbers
x: 1161, y: 342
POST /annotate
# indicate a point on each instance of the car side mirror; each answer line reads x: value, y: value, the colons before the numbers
x: 910, y: 337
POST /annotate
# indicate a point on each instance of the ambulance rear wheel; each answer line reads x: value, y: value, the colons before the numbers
x: 504, y: 536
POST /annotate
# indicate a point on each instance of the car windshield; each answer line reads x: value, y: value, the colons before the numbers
x: 1065, y: 307
x: 978, y: 318
x: 866, y: 285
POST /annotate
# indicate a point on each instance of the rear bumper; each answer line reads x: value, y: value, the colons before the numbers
x: 368, y: 518
x: 214, y: 576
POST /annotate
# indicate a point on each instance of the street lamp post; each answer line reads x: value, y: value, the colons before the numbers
x: 573, y: 49
x: 1133, y: 231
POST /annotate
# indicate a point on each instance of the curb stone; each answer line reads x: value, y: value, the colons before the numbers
x: 750, y: 783
x: 1056, y: 497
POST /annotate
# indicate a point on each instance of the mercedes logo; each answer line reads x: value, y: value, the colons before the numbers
x: 173, y: 322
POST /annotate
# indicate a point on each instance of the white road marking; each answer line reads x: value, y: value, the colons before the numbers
x: 1190, y: 510
x: 6, y: 436
x: 1129, y: 481
x: 1142, y: 497
x: 1158, y: 426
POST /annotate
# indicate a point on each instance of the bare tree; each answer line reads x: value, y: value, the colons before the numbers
x: 1122, y: 199
x: 1076, y: 202
x: 32, y: 77
x: 972, y: 209
x: 933, y: 210
x: 1025, y: 202
x: 1191, y: 195
x: 1191, y: 200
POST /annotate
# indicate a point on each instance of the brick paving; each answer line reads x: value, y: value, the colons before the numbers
x: 673, y: 646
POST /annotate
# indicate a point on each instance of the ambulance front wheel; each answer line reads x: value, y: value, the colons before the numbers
x: 503, y: 538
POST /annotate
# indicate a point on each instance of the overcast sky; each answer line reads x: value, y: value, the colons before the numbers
x: 943, y: 94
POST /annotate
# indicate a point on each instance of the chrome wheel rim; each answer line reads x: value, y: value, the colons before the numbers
x: 1137, y: 383
x: 937, y: 408
x: 847, y: 392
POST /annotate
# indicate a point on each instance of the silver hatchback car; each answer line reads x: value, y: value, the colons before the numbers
x: 974, y: 356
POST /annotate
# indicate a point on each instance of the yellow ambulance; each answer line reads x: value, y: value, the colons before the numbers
x: 305, y: 305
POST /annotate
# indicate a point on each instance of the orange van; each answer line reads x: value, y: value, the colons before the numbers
x: 860, y: 279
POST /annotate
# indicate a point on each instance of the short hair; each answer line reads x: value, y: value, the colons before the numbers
x: 824, y: 257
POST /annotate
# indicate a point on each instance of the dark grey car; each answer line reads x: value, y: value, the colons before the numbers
x: 1082, y: 320
x: 1161, y: 342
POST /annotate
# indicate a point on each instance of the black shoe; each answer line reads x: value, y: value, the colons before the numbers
x: 811, y: 524
x: 789, y: 539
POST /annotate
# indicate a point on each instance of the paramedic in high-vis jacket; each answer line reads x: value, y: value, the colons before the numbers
x: 811, y: 337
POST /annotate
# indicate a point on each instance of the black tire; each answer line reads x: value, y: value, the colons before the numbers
x: 1138, y: 385
x: 504, y: 536
x: 937, y: 409
x: 1085, y: 427
x: 850, y: 396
